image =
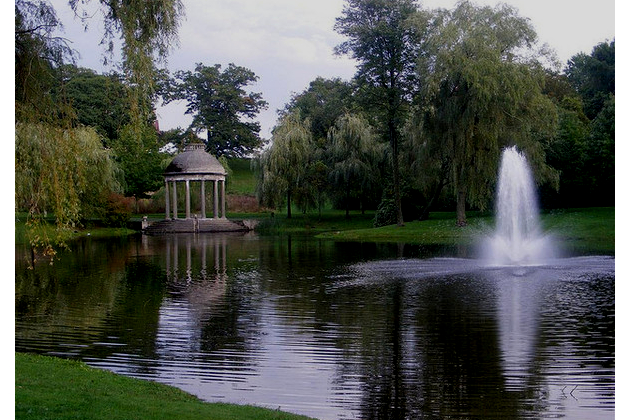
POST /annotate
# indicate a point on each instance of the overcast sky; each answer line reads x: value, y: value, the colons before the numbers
x: 288, y: 43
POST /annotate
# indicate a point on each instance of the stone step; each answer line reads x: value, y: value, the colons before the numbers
x: 193, y: 225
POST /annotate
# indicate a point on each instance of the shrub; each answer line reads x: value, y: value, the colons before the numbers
x: 118, y: 210
x: 242, y: 204
x: 385, y: 213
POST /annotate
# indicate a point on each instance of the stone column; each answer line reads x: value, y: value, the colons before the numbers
x: 174, y: 199
x: 187, y: 199
x: 167, y: 200
x: 215, y: 198
x: 223, y: 199
x: 203, y: 199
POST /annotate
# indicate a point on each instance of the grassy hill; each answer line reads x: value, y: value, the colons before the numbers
x: 243, y: 179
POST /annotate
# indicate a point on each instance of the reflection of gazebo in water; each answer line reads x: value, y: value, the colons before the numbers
x: 194, y: 165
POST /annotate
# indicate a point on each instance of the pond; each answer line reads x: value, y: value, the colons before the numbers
x: 331, y: 330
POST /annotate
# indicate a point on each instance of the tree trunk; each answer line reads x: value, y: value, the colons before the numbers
x: 362, y: 204
x: 393, y: 141
x: 436, y: 193
x: 289, y: 203
x: 461, y: 207
x: 347, y: 202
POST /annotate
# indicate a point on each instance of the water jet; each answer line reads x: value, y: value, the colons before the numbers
x: 517, y: 239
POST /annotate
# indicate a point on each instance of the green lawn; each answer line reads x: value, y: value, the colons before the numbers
x: 590, y: 230
x: 52, y: 388
x: 579, y: 230
x: 243, y: 180
x: 49, y: 230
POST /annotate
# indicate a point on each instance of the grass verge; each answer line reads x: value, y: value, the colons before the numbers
x: 52, y: 388
x: 589, y: 230
x: 586, y: 230
x: 49, y: 230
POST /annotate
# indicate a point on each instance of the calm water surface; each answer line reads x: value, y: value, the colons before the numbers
x: 331, y: 330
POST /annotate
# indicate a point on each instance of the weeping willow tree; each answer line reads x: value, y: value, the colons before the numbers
x: 284, y: 166
x: 59, y: 168
x: 482, y: 83
x: 353, y: 151
x: 148, y: 30
x: 38, y: 55
x: 61, y: 172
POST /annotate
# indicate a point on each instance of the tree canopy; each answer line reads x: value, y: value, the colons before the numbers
x: 148, y: 29
x: 322, y: 103
x: 593, y: 76
x: 38, y: 55
x: 353, y: 153
x: 219, y: 104
x: 480, y: 93
x: 381, y: 37
x: 285, y: 164
x: 65, y: 116
x: 95, y: 99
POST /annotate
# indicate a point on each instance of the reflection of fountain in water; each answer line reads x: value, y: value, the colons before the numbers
x: 518, y: 300
x: 517, y: 239
x: 525, y: 284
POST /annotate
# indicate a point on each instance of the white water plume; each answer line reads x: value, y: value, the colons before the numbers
x: 518, y: 238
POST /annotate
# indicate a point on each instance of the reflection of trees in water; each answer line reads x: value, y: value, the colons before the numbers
x: 72, y: 298
x: 416, y: 347
x: 432, y: 347
x: 204, y: 291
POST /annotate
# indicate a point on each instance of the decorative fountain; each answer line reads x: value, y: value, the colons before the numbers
x: 518, y: 238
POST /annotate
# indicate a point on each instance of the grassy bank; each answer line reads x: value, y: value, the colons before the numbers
x: 243, y: 180
x: 587, y: 230
x: 578, y: 230
x: 51, y: 388
x: 49, y: 230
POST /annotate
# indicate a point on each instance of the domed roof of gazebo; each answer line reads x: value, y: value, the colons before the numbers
x: 195, y: 160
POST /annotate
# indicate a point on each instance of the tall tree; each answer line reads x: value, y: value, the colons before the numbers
x: 137, y: 153
x: 353, y: 153
x: 382, y: 38
x: 482, y: 90
x: 593, y: 76
x: 38, y: 56
x: 322, y: 103
x: 148, y: 30
x: 285, y: 164
x: 95, y: 99
x: 600, y: 156
x: 219, y: 104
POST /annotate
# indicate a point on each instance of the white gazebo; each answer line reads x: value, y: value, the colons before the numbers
x: 195, y: 165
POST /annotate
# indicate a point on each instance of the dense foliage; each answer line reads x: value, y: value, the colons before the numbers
x: 219, y: 104
x: 480, y: 93
x: 436, y: 96
x: 82, y: 138
x: 446, y: 91
x: 285, y: 165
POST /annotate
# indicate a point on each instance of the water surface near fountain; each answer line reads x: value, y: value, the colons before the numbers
x: 331, y: 330
x: 557, y: 269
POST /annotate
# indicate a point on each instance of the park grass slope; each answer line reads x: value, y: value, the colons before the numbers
x: 577, y: 231
x: 53, y: 388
